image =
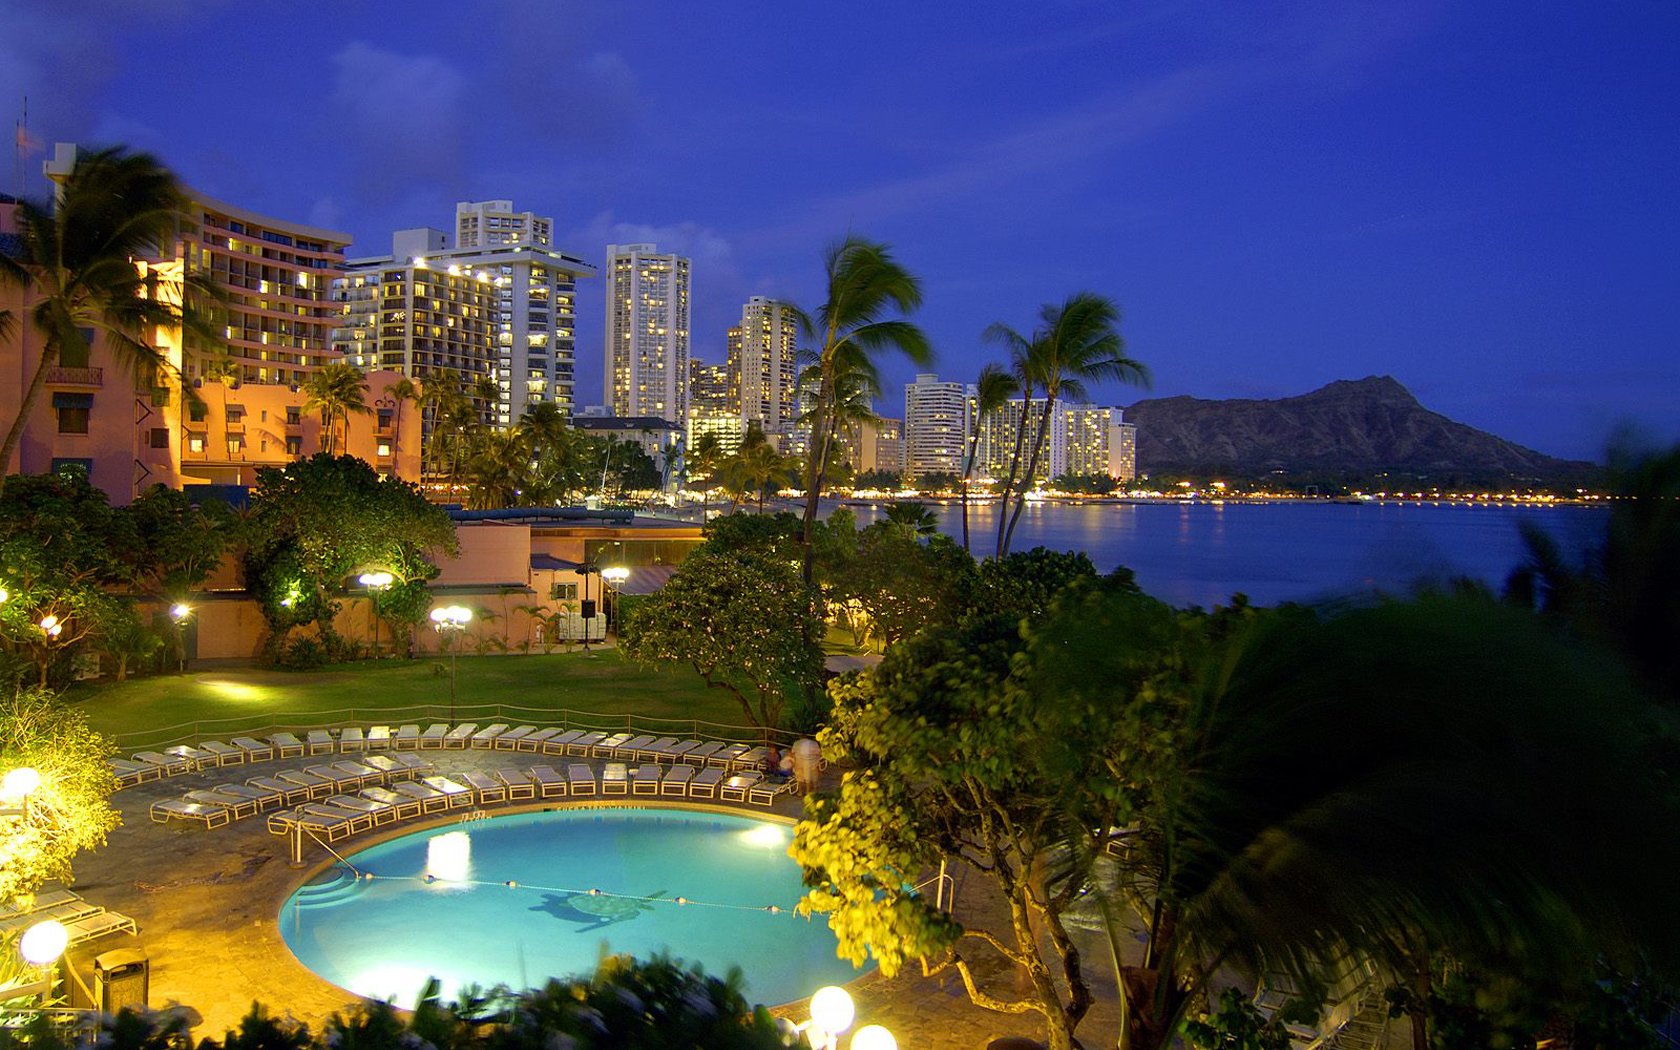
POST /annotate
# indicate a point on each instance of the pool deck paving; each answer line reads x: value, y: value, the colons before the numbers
x: 207, y: 902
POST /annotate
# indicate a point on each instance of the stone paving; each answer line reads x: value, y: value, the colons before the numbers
x: 207, y: 901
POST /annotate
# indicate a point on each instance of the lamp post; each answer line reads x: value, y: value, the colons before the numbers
x: 447, y: 620
x: 376, y: 583
x: 832, y: 1013
x: 614, y: 575
x: 179, y: 613
x: 41, y: 945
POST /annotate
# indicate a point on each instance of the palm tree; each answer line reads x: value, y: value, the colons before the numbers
x: 78, y: 259
x: 865, y: 285
x: 912, y: 517
x: 1075, y: 343
x: 402, y: 392
x: 992, y: 390
x: 499, y: 470
x: 336, y: 390
x: 753, y: 467
x: 455, y: 421
x: 703, y: 461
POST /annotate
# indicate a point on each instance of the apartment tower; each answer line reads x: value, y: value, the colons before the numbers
x: 763, y: 361
x: 935, y: 426
x: 646, y: 353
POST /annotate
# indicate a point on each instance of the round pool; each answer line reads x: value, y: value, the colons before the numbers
x: 518, y: 899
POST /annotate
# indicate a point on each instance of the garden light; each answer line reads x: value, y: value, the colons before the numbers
x: 831, y: 1012
x: 873, y: 1037
x: 43, y: 942
x: 375, y: 581
x: 50, y: 626
x: 18, y: 785
x: 180, y: 611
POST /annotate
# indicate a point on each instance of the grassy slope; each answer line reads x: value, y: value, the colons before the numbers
x: 140, y: 710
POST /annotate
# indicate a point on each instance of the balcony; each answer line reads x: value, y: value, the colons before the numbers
x: 60, y: 375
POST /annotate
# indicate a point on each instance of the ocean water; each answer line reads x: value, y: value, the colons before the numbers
x: 439, y: 904
x: 1202, y: 553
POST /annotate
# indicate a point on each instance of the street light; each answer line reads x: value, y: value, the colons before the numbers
x: 43, y: 942
x: 451, y: 619
x: 614, y: 575
x: 51, y: 626
x: 375, y: 582
x: 179, y: 613
x: 15, y: 788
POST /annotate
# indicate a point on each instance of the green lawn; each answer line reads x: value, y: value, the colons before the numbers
x: 226, y: 702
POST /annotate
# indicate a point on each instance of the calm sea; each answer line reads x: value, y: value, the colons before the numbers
x: 1202, y: 553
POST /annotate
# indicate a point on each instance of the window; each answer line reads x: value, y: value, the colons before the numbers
x: 195, y: 443
x: 294, y: 446
x: 73, y: 411
x: 84, y: 467
x: 76, y: 356
x: 195, y: 412
x: 563, y: 592
x: 236, y: 413
x: 160, y: 437
x: 384, y: 448
x: 294, y: 417
x: 384, y: 419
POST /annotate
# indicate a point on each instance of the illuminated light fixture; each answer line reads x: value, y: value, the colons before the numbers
x: 180, y: 611
x: 449, y: 857
x: 451, y: 617
x: 832, y: 1011
x: 873, y: 1037
x: 43, y: 942
x: 50, y: 626
x: 4, y: 594
x: 375, y: 580
x: 615, y: 575
x: 19, y: 784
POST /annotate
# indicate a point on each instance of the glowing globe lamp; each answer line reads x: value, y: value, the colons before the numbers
x: 43, y: 942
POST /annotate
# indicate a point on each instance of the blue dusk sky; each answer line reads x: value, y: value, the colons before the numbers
x: 1478, y: 198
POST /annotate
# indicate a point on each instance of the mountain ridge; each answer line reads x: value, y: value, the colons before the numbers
x: 1369, y: 426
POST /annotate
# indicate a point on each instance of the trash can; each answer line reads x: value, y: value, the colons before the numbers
x: 121, y: 977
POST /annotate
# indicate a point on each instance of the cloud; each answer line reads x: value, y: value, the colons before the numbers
x: 401, y: 121
x: 576, y: 95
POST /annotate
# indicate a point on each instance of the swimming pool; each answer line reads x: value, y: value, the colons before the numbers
x: 521, y: 898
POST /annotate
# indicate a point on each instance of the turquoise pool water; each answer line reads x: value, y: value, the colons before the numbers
x: 439, y: 904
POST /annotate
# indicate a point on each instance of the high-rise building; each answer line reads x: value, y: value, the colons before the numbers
x: 711, y: 388
x: 763, y: 359
x: 1000, y: 430
x: 529, y: 338
x: 488, y: 224
x: 875, y: 446
x: 1099, y: 441
x: 935, y: 426
x: 646, y: 359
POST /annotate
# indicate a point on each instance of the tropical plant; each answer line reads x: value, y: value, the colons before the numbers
x: 499, y: 469
x: 404, y: 391
x: 81, y: 256
x: 1075, y: 343
x: 336, y: 390
x: 703, y: 461
x: 992, y: 391
x: 865, y: 287
x: 755, y: 468
x: 910, y: 517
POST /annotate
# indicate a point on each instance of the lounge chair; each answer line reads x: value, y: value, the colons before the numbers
x: 402, y: 805
x: 406, y: 738
x: 629, y: 748
x: 725, y: 756
x: 432, y: 739
x: 584, y: 743
x: 736, y: 787
x: 646, y: 779
x: 653, y: 751
x: 488, y: 791
x: 68, y: 911
x: 378, y: 738
x: 750, y: 761
x: 320, y: 742
x: 197, y: 756
x: 705, y: 783
x: 381, y: 813
x: 675, y: 781
x: 288, y: 745
x: 130, y: 773
x: 580, y: 779
x: 430, y: 798
x: 701, y: 755
x: 549, y: 783
x: 676, y: 752
x: 460, y: 796
x: 520, y: 786
x: 411, y: 765
x: 341, y: 781
x: 99, y: 924
x: 509, y: 741
x: 535, y: 741
x: 180, y: 809
x: 350, y: 739
x: 169, y: 765
x: 318, y: 785
x: 765, y: 792
x: 608, y: 746
x: 456, y: 739
x: 255, y: 750
x: 42, y: 900
x: 290, y: 794
x: 358, y: 774
x: 486, y: 737
x: 355, y: 820
x: 558, y: 743
x: 265, y: 798
x: 615, y: 779
x: 239, y: 806
x: 225, y: 754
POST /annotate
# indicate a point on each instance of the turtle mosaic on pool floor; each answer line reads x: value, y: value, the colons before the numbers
x: 594, y: 910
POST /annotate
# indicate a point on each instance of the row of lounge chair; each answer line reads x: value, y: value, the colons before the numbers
x: 342, y: 815
x: 82, y: 921
x: 225, y: 803
x: 624, y: 746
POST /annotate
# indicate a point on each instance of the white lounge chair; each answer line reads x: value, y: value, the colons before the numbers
x: 701, y: 755
x: 380, y: 812
x: 460, y: 796
x: 750, y: 761
x: 68, y: 911
x: 265, y: 798
x: 169, y: 765
x: 404, y: 806
x: 99, y: 924
x: 255, y: 750
x: 378, y: 738
x: 537, y: 741
x: 357, y: 774
x: 676, y: 752
x: 608, y: 746
x: 488, y: 789
x: 549, y: 783
x: 645, y: 781
x: 129, y: 773
x: 350, y: 739
x: 320, y: 742
x: 411, y: 765
x: 291, y: 794
x: 584, y: 743
x: 406, y: 738
x: 237, y: 805
x: 486, y: 737
x: 559, y: 742
x: 519, y: 783
x: 180, y: 809
x: 653, y: 752
x: 355, y: 820
x: 675, y: 781
x: 432, y: 739
x: 318, y: 785
x: 456, y: 739
x: 725, y: 756
x: 509, y: 741
x: 580, y: 779
x: 287, y: 745
x: 736, y: 787
x: 615, y: 779
x: 628, y: 749
x: 430, y: 798
x: 766, y: 792
x: 225, y: 754
x: 705, y: 783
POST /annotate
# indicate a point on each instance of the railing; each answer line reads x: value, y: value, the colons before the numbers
x: 483, y: 714
x: 76, y: 376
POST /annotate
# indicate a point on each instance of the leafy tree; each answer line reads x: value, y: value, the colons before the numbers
x: 78, y: 257
x: 912, y: 517
x: 499, y: 469
x: 1024, y: 584
x: 902, y: 586
x: 70, y: 811
x: 777, y: 532
x: 318, y: 522
x: 938, y: 481
x: 1093, y: 484
x: 884, y: 480
x: 179, y: 544
x: 336, y: 390
x: 865, y: 287
x: 742, y: 619
x: 703, y: 461
x: 63, y: 552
